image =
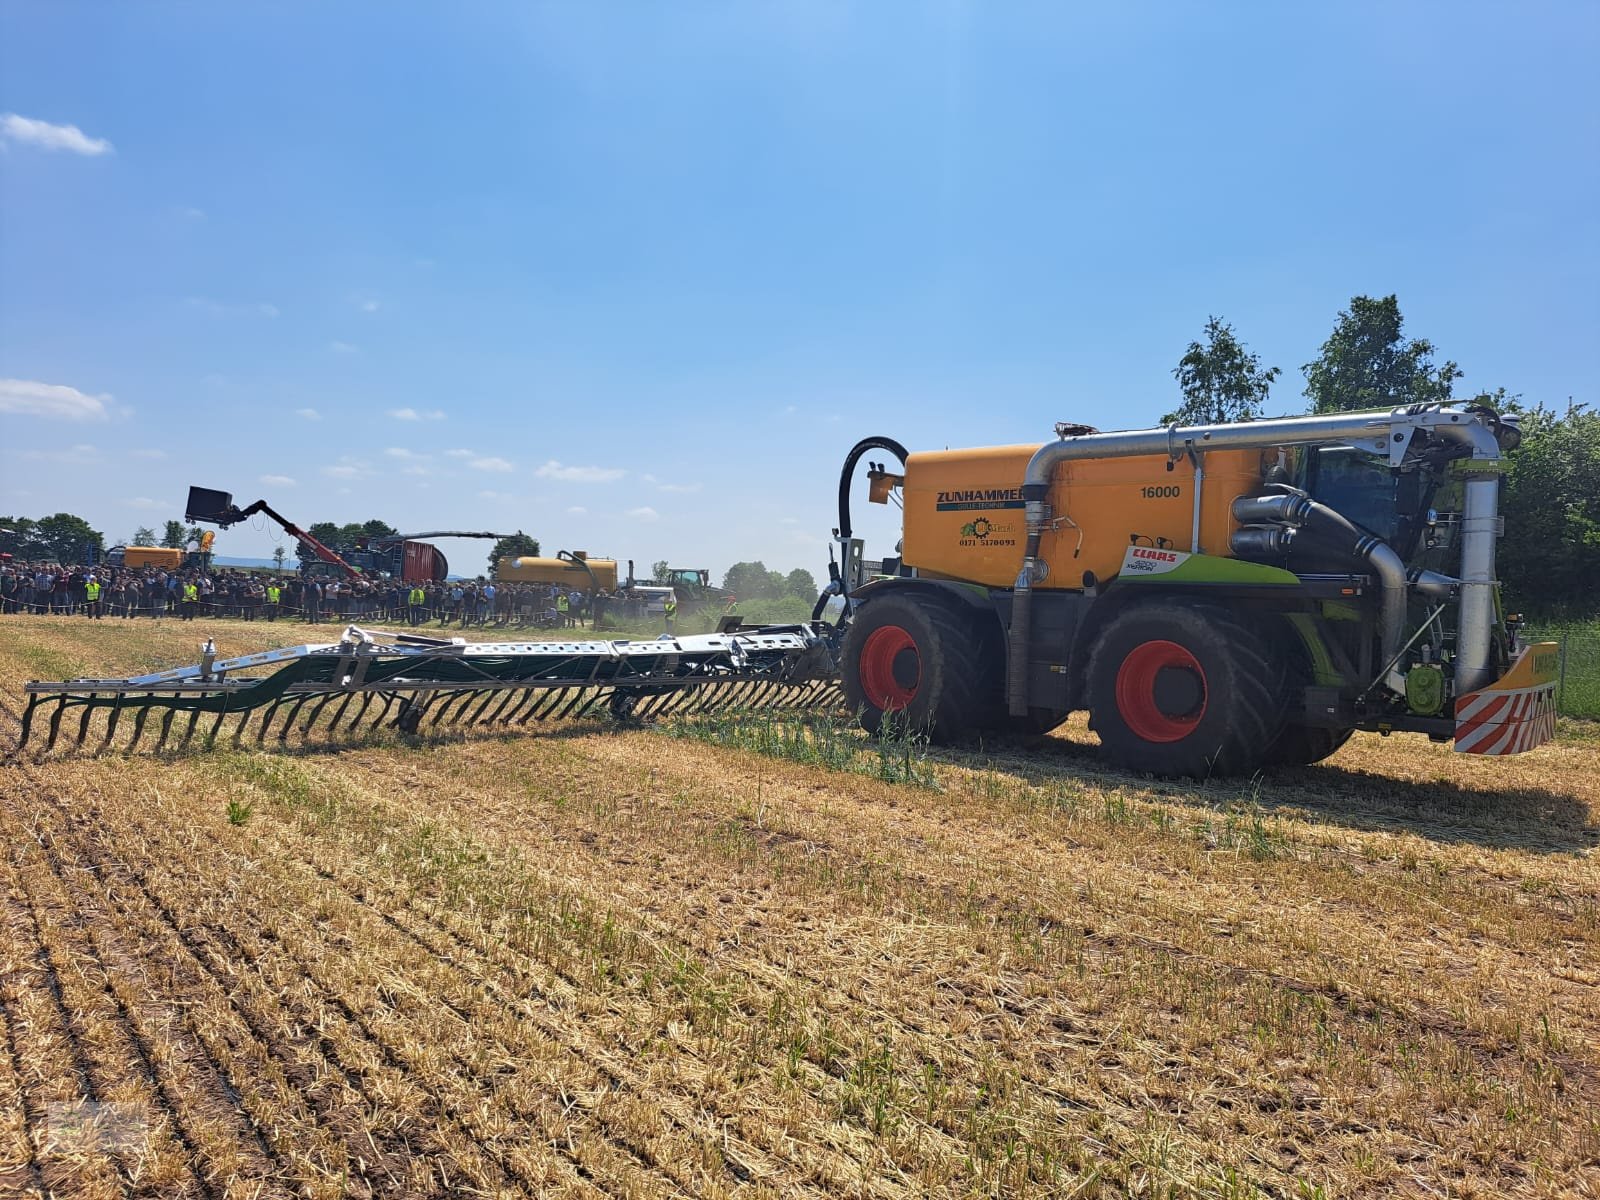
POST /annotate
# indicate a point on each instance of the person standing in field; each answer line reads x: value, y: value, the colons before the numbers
x: 91, y: 597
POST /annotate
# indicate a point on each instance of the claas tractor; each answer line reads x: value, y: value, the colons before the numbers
x: 1218, y: 598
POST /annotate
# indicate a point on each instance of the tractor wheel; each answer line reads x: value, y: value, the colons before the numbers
x: 1302, y: 745
x: 912, y: 660
x: 1185, y: 690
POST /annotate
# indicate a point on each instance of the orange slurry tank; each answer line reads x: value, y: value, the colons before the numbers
x: 965, y: 519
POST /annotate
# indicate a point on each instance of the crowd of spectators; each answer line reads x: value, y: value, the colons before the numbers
x: 128, y: 592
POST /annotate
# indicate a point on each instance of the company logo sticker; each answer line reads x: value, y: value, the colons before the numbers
x: 968, y: 501
x: 1151, y: 560
x: 983, y: 531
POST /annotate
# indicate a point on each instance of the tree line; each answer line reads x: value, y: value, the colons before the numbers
x: 753, y: 581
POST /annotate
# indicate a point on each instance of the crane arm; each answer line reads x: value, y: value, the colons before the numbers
x: 207, y: 508
x: 293, y: 530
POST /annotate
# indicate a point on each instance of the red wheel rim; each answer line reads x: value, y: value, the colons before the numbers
x: 1137, y: 693
x: 891, y: 668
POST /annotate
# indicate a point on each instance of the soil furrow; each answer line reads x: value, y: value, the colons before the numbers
x: 23, y: 1171
x: 227, y: 948
x: 94, y: 995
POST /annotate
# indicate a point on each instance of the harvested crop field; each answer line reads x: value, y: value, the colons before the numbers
x: 603, y: 961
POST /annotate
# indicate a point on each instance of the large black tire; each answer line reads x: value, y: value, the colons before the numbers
x: 1186, y: 690
x: 1302, y: 745
x: 912, y: 659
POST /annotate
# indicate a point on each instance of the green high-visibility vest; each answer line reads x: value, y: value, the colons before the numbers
x: 418, y: 596
x: 274, y: 594
x: 671, y: 607
x: 561, y: 604
x: 190, y: 592
x: 91, y: 591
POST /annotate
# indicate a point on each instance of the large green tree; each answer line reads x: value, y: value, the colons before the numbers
x: 19, y: 537
x: 1220, y: 380
x: 753, y: 581
x: 173, y: 535
x: 800, y: 582
x: 1549, y: 561
x: 143, y: 536
x: 1367, y: 363
x: 369, y: 529
x: 68, y: 540
x: 518, y: 545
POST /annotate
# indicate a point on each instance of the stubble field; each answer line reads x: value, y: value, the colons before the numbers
x: 598, y: 961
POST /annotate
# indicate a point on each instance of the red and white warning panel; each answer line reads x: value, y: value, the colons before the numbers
x: 1515, y: 713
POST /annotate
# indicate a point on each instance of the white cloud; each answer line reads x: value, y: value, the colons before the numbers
x: 411, y: 414
x: 50, y: 137
x: 56, y: 401
x: 680, y: 488
x: 309, y: 414
x: 342, y: 347
x: 349, y: 468
x: 645, y: 513
x: 370, y: 306
x: 402, y: 453
x: 192, y: 214
x: 788, y: 520
x: 417, y: 471
x: 577, y: 510
x: 267, y: 310
x: 147, y: 453
x: 489, y: 463
x: 461, y: 454
x: 146, y: 503
x: 555, y: 470
x: 495, y: 496
x: 277, y: 481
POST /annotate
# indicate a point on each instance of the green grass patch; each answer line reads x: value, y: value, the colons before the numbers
x: 895, y: 755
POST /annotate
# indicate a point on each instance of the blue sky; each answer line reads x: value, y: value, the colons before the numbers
x: 634, y: 277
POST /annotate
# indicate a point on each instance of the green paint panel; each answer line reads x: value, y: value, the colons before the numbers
x: 1212, y: 568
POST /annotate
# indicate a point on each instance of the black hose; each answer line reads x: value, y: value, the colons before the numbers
x: 850, y: 461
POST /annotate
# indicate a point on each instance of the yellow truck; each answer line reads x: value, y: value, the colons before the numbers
x: 575, y: 571
x: 167, y: 558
